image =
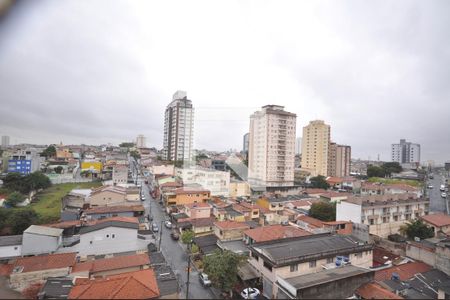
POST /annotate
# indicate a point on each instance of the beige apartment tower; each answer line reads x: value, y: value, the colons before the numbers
x: 339, y: 157
x: 272, y: 147
x: 315, y: 145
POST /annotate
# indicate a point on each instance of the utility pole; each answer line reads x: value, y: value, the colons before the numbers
x: 160, y: 235
x: 188, y: 269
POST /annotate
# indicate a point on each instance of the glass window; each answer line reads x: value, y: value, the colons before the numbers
x: 294, y: 268
x: 312, y: 264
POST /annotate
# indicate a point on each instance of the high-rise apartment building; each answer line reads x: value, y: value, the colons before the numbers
x: 298, y: 146
x: 272, y: 147
x: 179, y: 128
x: 315, y: 144
x: 5, y: 141
x: 245, y: 143
x: 405, y: 152
x: 332, y: 153
x: 343, y: 159
x: 140, y: 141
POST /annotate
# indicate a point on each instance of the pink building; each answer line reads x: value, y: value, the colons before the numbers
x: 198, y: 210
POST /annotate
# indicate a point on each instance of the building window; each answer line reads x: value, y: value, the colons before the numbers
x: 358, y: 255
x: 267, y: 266
x: 330, y: 260
x: 113, y: 236
x: 312, y: 264
x: 294, y: 268
x: 371, y: 221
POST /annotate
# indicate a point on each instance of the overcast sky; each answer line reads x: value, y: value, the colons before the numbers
x: 103, y: 71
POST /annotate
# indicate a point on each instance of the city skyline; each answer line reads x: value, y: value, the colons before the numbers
x: 363, y: 82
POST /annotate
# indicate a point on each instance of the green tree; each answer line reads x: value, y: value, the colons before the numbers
x: 14, y: 198
x: 135, y: 154
x: 194, y: 249
x: 21, y: 219
x: 222, y: 268
x: 36, y: 181
x: 3, y: 218
x: 12, y: 181
x: 58, y: 170
x: 319, y: 182
x: 126, y: 145
x: 187, y: 236
x: 391, y: 167
x: 323, y: 211
x: 375, y: 171
x: 50, y: 151
x: 418, y: 229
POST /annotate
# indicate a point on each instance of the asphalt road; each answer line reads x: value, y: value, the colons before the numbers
x: 437, y: 203
x: 174, y: 253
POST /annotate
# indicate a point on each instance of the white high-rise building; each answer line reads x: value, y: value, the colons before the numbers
x: 5, y: 141
x: 272, y: 147
x: 245, y: 143
x: 140, y: 141
x: 315, y: 148
x: 179, y: 128
x: 298, y: 146
x: 405, y: 152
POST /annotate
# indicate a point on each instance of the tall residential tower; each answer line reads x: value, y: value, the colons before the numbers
x: 405, y: 152
x: 179, y: 128
x: 272, y: 147
x: 315, y: 144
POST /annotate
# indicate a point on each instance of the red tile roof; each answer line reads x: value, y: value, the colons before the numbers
x: 133, y: 285
x: 334, y: 180
x: 304, y: 203
x: 314, y: 191
x: 379, y: 254
x: 46, y: 262
x: 405, y: 271
x: 119, y: 219
x: 231, y: 225
x: 311, y: 221
x: 6, y: 269
x: 190, y: 190
x: 114, y: 263
x: 197, y: 205
x: 375, y: 291
x: 274, y: 232
x: 437, y: 220
x: 110, y: 209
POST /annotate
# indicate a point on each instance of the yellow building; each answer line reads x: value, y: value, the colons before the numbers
x: 92, y: 165
x: 315, y: 148
x: 239, y: 188
x: 186, y: 195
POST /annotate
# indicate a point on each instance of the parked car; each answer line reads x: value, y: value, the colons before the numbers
x: 155, y: 227
x: 168, y: 224
x: 444, y: 195
x: 442, y: 188
x: 250, y: 293
x: 430, y: 186
x: 174, y: 235
x: 142, y: 198
x: 204, y: 279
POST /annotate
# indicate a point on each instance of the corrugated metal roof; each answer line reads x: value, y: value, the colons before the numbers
x: 43, y: 230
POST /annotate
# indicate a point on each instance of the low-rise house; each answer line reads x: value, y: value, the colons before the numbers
x: 384, y: 214
x: 108, y: 236
x: 97, y: 213
x: 206, y: 244
x: 200, y: 227
x: 35, y: 269
x: 434, y: 252
x: 56, y: 288
x: 369, y: 188
x: 186, y: 195
x: 217, y: 182
x: 131, y: 285
x: 293, y: 257
x: 111, y: 266
x: 440, y: 223
x: 239, y: 188
x: 272, y: 233
x: 120, y: 174
x: 254, y: 209
x: 334, y: 196
x: 114, y: 195
x: 10, y: 246
x: 314, y: 225
x: 375, y: 291
x: 198, y: 210
x: 230, y: 230
x: 338, y: 283
x: 41, y: 240
x: 335, y: 182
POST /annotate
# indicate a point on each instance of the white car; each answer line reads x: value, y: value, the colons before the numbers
x: 442, y: 188
x: 444, y: 195
x: 168, y: 224
x: 250, y: 293
x: 430, y: 186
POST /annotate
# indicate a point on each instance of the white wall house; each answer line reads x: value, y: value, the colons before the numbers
x: 10, y: 246
x: 384, y: 214
x: 41, y: 240
x: 218, y: 182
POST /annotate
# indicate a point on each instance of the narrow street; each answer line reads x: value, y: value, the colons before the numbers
x: 437, y: 203
x: 174, y: 253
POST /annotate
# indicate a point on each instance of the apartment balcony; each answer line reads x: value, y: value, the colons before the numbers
x: 373, y: 217
x: 386, y: 215
x: 418, y: 211
x: 397, y: 213
x: 408, y: 211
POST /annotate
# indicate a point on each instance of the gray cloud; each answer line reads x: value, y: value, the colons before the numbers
x: 104, y: 72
